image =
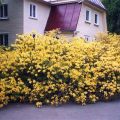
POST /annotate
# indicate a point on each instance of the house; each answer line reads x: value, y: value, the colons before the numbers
x: 82, y: 18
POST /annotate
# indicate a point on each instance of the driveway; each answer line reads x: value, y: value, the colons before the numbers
x: 98, y: 111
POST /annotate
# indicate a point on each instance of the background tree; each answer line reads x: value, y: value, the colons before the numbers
x: 1, y: 1
x: 113, y: 15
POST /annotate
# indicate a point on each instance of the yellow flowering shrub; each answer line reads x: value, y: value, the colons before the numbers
x: 49, y: 69
x: 13, y: 90
x: 3, y: 98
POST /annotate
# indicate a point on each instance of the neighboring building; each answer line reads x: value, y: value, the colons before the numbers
x: 83, y: 18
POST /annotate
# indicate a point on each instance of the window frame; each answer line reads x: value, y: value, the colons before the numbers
x: 3, y: 12
x: 89, y: 16
x: 33, y: 11
x: 96, y: 24
x: 4, y: 41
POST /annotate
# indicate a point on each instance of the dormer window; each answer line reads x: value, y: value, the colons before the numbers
x: 3, y: 11
x: 33, y: 11
x: 96, y: 19
x: 88, y: 16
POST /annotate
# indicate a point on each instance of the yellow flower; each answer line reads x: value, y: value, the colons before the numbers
x: 38, y: 104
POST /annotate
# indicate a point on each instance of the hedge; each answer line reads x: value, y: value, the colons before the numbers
x: 51, y: 70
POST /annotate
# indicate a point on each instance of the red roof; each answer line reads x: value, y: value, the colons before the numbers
x: 64, y: 16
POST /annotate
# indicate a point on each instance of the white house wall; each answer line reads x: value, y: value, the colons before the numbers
x: 39, y: 23
x: 89, y: 29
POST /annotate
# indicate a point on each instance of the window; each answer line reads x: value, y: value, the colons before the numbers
x: 4, y: 39
x: 3, y: 11
x: 88, y: 16
x: 32, y: 11
x: 96, y: 19
x: 87, y: 37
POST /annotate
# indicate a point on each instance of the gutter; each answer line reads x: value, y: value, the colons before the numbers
x: 57, y: 2
x: 44, y: 2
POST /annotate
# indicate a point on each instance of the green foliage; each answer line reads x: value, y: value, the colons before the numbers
x: 113, y: 15
x: 1, y: 1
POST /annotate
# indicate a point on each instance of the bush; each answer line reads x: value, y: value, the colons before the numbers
x: 48, y: 69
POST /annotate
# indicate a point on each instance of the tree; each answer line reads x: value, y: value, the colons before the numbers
x: 113, y: 15
x: 1, y: 1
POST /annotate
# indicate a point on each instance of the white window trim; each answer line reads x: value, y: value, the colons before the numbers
x: 4, y: 33
x: 96, y: 24
x: 32, y: 17
x: 88, y: 21
x: 4, y: 18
